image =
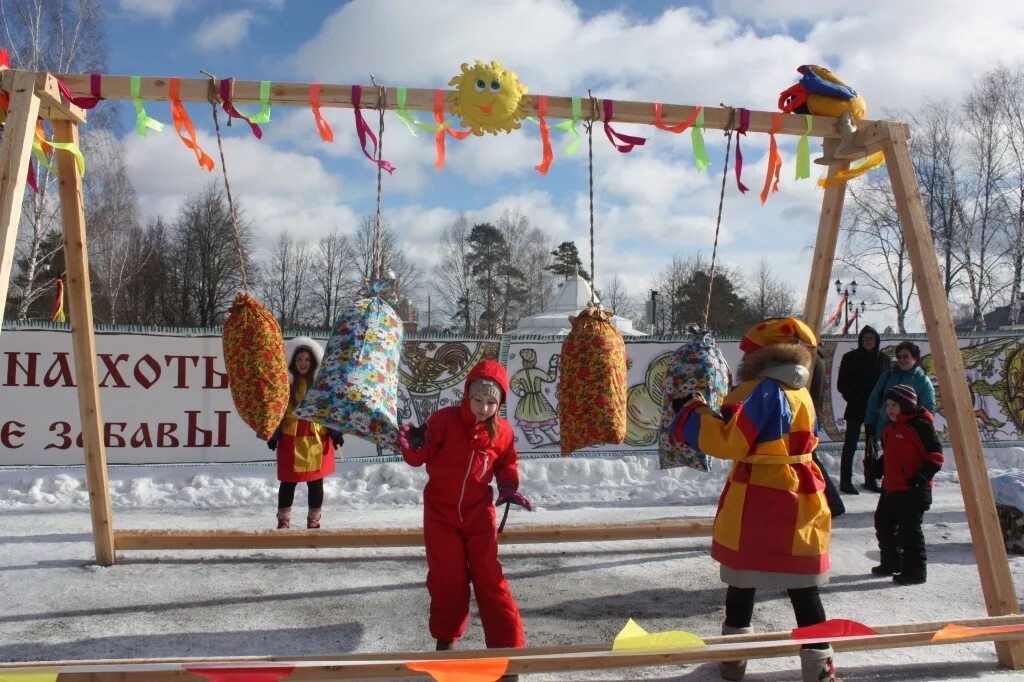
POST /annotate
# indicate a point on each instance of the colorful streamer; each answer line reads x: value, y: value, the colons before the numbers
x: 837, y: 627
x: 771, y: 179
x: 545, y: 136
x: 364, y: 131
x: 572, y: 126
x: 954, y: 631
x: 741, y: 132
x: 322, y: 126
x: 143, y: 121
x: 803, y: 151
x: 838, y: 313
x: 41, y: 147
x: 468, y: 670
x: 633, y: 637
x: 29, y: 674
x: 700, y: 152
x: 405, y: 117
x: 629, y: 142
x: 870, y: 163
x: 182, y: 122
x: 83, y: 102
x: 443, y: 128
x: 677, y: 128
x: 254, y: 674
x: 57, y: 314
x: 226, y: 87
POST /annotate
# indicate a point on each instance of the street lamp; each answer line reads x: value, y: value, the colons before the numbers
x: 856, y: 309
x: 846, y: 291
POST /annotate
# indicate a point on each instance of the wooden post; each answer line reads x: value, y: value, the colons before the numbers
x: 820, y: 280
x: 993, y: 567
x: 15, y: 154
x: 76, y: 259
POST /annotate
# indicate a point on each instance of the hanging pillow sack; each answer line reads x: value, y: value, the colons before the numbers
x: 592, y: 388
x: 696, y: 367
x: 356, y: 389
x: 256, y: 366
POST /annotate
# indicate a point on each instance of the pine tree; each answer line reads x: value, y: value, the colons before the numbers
x: 488, y: 259
x: 567, y: 261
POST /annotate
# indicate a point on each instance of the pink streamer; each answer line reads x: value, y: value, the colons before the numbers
x: 630, y: 141
x: 364, y: 131
x: 83, y: 102
x: 742, y: 130
x: 229, y: 108
x: 31, y: 180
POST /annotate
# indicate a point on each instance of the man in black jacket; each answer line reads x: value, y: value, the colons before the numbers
x: 858, y: 372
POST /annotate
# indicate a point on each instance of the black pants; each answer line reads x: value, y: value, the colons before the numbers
x: 286, y: 494
x: 739, y: 608
x: 898, y: 520
x: 853, y: 427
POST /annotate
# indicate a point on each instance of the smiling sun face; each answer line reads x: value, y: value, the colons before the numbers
x: 488, y: 98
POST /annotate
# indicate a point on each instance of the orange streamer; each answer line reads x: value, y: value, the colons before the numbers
x: 41, y: 136
x: 953, y: 631
x: 774, y: 159
x: 183, y: 122
x: 322, y: 126
x: 545, y: 135
x: 679, y: 127
x: 468, y: 670
x: 443, y: 128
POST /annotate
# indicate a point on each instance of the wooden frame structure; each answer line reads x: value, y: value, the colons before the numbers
x: 35, y: 95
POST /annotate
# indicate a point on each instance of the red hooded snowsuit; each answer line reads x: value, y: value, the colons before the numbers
x: 458, y: 517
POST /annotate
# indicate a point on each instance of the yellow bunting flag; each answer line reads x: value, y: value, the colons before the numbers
x: 632, y: 636
x: 467, y: 670
x: 954, y: 631
x: 871, y: 162
x: 29, y: 674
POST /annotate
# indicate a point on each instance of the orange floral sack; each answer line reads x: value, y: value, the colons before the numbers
x: 256, y: 365
x: 592, y: 388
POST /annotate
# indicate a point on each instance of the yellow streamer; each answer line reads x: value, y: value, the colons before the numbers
x: 29, y: 674
x: 633, y: 637
x: 69, y: 147
x: 870, y: 163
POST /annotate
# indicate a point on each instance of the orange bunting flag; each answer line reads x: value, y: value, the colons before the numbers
x: 182, y: 122
x: 545, y: 135
x: 467, y: 670
x: 255, y: 674
x: 954, y: 631
x: 774, y: 160
x: 322, y: 126
x: 679, y: 127
x: 837, y: 627
x: 443, y: 128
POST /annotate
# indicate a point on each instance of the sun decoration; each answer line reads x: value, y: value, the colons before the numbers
x: 488, y: 98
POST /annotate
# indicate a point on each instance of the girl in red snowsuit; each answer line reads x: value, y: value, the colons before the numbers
x: 464, y: 447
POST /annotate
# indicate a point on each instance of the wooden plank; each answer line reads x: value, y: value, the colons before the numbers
x: 15, y: 154
x: 527, y: 660
x: 422, y: 99
x: 958, y: 407
x: 397, y: 537
x: 820, y: 281
x: 76, y: 259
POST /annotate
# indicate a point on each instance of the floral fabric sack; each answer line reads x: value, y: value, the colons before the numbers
x: 256, y: 365
x: 696, y: 367
x: 592, y: 388
x: 356, y: 388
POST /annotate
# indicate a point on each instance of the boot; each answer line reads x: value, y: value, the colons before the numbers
x: 915, y: 575
x: 313, y: 519
x: 284, y: 518
x: 847, y: 488
x: 445, y: 645
x: 816, y: 666
x: 885, y: 569
x: 733, y: 670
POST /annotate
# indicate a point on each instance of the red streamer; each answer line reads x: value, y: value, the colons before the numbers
x: 679, y: 127
x: 837, y: 627
x: 182, y: 122
x: 364, y: 131
x: 628, y: 141
x: 545, y: 135
x: 226, y: 86
x: 268, y: 674
x: 442, y: 129
x: 774, y: 160
x: 741, y: 131
x: 83, y: 102
x: 322, y: 126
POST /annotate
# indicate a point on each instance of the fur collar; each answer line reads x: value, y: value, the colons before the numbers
x: 789, y: 363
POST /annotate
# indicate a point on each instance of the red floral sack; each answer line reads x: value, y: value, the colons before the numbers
x: 592, y: 388
x: 256, y: 366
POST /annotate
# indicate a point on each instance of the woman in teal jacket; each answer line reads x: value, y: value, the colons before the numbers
x: 906, y: 370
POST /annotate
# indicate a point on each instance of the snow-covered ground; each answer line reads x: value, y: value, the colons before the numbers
x: 58, y: 605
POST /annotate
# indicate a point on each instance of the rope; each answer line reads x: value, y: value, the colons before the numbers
x: 377, y: 255
x: 718, y: 222
x: 590, y: 173
x: 212, y: 96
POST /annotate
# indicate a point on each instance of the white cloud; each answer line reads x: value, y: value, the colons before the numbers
x: 163, y: 10
x: 224, y: 31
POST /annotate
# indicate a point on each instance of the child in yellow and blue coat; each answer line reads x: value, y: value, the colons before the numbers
x: 773, y: 523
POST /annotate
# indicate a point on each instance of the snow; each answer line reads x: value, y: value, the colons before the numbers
x: 59, y: 605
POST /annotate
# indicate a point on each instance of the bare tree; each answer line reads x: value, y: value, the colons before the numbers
x: 768, y: 296
x: 394, y: 265
x: 285, y: 279
x: 453, y: 276
x: 1011, y: 85
x: 616, y: 298
x: 516, y: 278
x: 331, y: 282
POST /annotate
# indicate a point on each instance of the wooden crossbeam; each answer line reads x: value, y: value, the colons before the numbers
x: 422, y: 99
x: 521, y: 661
x: 398, y: 537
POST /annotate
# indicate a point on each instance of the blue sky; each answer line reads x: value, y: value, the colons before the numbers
x: 650, y: 204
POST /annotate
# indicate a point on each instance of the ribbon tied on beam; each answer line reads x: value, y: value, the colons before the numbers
x: 364, y: 131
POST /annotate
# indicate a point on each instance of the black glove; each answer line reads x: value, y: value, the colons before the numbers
x: 681, y: 402
x: 918, y: 481
x: 417, y: 436
x: 338, y: 439
x: 272, y: 443
x: 920, y: 491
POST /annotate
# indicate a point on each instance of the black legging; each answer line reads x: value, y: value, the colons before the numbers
x: 739, y: 608
x: 286, y: 494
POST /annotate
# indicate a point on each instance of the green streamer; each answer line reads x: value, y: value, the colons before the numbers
x: 142, y: 120
x: 263, y: 115
x: 700, y: 153
x: 571, y: 126
x: 411, y: 123
x: 803, y: 152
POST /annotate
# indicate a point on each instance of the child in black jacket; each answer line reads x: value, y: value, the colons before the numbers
x: 911, y: 456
